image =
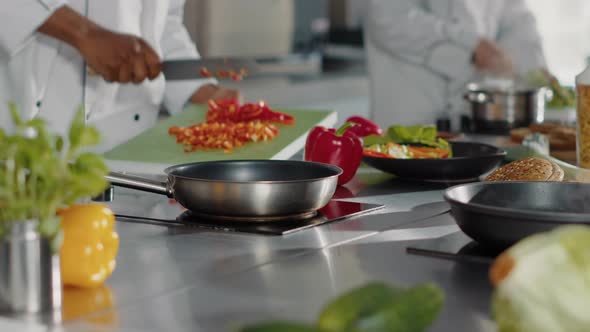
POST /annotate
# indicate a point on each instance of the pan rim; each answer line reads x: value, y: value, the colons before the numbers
x: 499, y: 153
x: 529, y: 215
x: 338, y: 171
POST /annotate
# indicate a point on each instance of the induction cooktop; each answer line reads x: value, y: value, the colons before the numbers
x: 456, y: 246
x: 133, y: 206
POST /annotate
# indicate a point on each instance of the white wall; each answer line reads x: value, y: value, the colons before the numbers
x: 565, y: 27
x: 241, y: 28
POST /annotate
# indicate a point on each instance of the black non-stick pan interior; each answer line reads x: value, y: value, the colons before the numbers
x: 500, y: 213
x: 254, y: 170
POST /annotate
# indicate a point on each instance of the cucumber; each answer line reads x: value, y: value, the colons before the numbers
x: 339, y: 314
x: 412, y: 311
x: 279, y: 326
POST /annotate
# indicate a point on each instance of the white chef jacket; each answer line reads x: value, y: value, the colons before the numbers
x: 419, y: 53
x: 47, y: 78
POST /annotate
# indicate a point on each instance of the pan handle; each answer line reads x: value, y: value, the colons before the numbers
x: 478, y: 97
x: 139, y: 183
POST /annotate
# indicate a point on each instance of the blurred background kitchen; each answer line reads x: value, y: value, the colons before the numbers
x: 312, y: 50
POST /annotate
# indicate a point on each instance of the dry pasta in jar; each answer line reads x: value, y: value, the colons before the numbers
x: 583, y: 137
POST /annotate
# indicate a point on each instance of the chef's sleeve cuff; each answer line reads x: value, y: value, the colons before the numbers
x: 24, y: 17
x: 178, y: 93
x: 451, y: 61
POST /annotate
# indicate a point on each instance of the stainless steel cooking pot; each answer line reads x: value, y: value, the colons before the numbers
x: 243, y: 189
x: 497, y: 110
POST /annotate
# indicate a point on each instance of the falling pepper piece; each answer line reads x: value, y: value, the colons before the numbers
x: 222, y: 73
x: 205, y: 72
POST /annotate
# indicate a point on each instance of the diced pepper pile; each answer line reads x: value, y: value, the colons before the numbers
x: 223, y: 135
x: 230, y: 125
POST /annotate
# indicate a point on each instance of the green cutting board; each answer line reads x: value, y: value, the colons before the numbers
x: 157, y: 146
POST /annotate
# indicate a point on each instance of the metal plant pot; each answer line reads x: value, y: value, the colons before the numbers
x: 30, y: 279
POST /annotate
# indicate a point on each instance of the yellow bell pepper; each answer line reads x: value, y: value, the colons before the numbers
x: 90, y: 244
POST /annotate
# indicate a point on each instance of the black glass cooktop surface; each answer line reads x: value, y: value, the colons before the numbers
x: 334, y: 211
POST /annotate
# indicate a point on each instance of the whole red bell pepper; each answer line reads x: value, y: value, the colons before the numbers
x: 365, y: 127
x: 340, y: 148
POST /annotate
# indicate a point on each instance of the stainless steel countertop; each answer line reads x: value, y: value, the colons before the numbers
x: 170, y: 280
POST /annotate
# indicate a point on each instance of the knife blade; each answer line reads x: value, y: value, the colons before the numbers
x: 220, y: 68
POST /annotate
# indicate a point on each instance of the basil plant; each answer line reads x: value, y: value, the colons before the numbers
x: 41, y: 172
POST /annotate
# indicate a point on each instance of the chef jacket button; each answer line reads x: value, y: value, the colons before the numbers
x: 38, y: 103
x: 136, y: 117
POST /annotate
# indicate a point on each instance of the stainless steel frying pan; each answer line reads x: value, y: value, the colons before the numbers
x: 243, y: 188
x: 498, y: 214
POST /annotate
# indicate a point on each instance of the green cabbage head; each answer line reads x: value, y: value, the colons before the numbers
x: 543, y: 283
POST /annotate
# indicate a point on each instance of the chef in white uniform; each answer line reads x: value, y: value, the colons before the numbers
x: 421, y: 53
x: 48, y: 46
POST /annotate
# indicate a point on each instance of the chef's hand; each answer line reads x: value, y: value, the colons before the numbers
x: 490, y: 58
x: 215, y: 92
x: 119, y: 57
x: 116, y: 57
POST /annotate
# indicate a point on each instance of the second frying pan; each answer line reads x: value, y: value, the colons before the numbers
x: 498, y: 214
x: 243, y: 188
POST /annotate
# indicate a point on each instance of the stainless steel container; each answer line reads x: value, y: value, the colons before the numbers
x: 495, y: 110
x: 30, y: 278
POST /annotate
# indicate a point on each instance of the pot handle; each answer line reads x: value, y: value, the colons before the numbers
x: 478, y: 97
x: 548, y: 94
x: 139, y: 183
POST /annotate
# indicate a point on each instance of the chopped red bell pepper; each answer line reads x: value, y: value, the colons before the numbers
x: 371, y: 153
x: 365, y: 126
x: 340, y: 148
x: 312, y: 138
x: 231, y: 111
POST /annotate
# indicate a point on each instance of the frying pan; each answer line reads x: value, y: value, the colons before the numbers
x: 469, y: 161
x: 498, y: 214
x: 243, y: 188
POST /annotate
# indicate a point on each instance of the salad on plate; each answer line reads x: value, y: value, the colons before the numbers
x: 407, y: 142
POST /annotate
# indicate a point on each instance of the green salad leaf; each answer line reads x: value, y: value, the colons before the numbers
x: 425, y: 135
x: 412, y: 133
x: 40, y: 172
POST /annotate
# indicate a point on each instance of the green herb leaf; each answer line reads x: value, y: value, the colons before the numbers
x: 59, y: 144
x: 50, y: 226
x: 57, y: 241
x: 77, y: 129
x: 15, y: 115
